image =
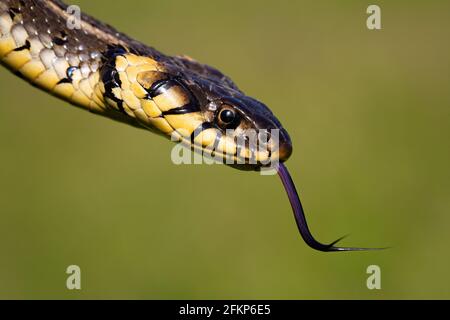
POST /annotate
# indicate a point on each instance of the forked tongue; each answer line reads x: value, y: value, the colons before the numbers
x: 300, y: 218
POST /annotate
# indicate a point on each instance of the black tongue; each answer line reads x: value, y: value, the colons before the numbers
x: 300, y: 218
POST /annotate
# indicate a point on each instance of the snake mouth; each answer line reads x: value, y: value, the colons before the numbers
x: 239, y: 154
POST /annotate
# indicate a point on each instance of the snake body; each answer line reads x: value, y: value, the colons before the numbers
x: 97, y: 68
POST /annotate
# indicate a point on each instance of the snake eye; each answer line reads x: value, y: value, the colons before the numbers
x: 228, y: 118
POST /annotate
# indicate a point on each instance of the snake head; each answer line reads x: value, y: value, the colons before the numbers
x: 198, y: 106
x: 235, y: 129
x: 244, y: 129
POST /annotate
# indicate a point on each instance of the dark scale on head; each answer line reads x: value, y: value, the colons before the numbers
x: 27, y: 46
x: 109, y: 75
x: 112, y: 52
x: 204, y: 126
x: 59, y: 41
x: 160, y: 87
x: 65, y: 80
x: 13, y: 12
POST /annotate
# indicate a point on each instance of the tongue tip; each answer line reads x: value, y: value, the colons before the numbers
x: 300, y: 218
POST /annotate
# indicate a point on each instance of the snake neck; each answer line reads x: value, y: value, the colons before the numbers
x: 92, y: 66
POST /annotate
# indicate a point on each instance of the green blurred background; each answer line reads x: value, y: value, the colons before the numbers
x: 368, y: 112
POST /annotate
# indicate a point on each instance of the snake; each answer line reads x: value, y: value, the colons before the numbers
x: 89, y: 64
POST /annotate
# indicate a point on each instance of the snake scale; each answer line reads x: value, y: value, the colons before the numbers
x: 104, y: 71
x: 93, y: 66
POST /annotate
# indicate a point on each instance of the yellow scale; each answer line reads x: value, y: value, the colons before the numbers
x: 42, y: 67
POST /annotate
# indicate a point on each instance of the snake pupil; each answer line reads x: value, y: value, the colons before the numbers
x: 227, y: 116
